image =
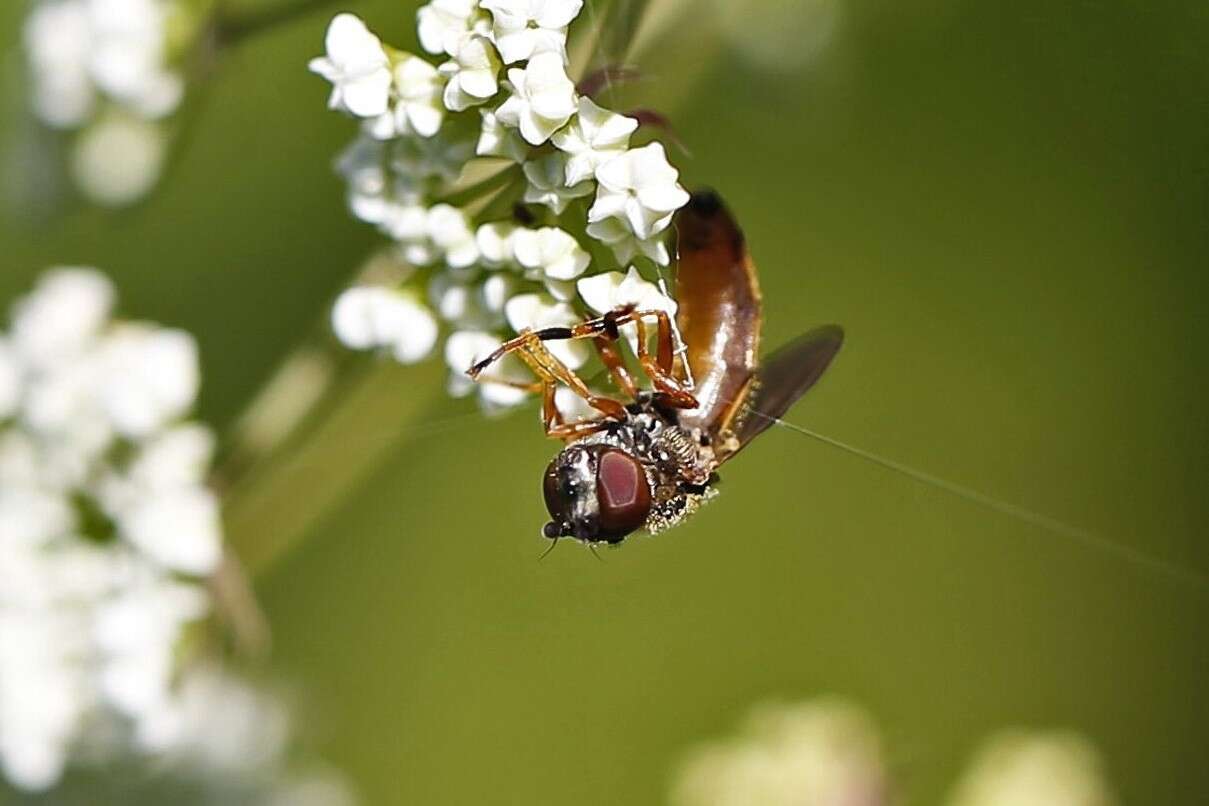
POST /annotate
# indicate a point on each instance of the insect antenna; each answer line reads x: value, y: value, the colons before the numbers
x: 545, y: 553
x: 1023, y: 514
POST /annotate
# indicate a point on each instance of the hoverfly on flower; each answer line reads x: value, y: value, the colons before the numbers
x: 648, y: 460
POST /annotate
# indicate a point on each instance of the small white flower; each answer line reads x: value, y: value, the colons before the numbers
x: 177, y: 528
x: 177, y: 457
x: 128, y: 54
x: 543, y: 98
x: 117, y: 160
x: 497, y: 140
x: 825, y: 751
x: 593, y: 137
x: 418, y: 108
x: 497, y: 289
x: 450, y: 232
x: 524, y: 28
x: 148, y: 377
x: 373, y: 317
x: 494, y: 241
x: 640, y: 188
x: 443, y: 24
x: 547, y: 183
x: 407, y: 223
x: 549, y: 252
x: 536, y: 311
x: 32, y: 516
x: 357, y: 66
x: 561, y: 290
x: 466, y: 347
x: 463, y: 304
x: 471, y: 74
x: 58, y: 41
x: 606, y: 292
x: 362, y: 165
x: 614, y: 233
x: 62, y: 315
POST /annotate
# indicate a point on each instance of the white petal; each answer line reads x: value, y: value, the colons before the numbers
x: 599, y: 291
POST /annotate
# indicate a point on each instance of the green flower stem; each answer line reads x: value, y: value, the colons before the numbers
x: 273, y: 509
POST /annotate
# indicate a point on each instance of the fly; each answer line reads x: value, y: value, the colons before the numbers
x: 650, y: 460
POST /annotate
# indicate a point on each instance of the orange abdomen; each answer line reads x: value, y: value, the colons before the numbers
x: 720, y: 312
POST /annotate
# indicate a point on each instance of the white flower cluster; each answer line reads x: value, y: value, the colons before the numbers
x: 234, y: 740
x: 821, y: 752
x: 106, y: 526
x: 1027, y: 768
x: 104, y: 67
x: 827, y: 751
x: 521, y: 202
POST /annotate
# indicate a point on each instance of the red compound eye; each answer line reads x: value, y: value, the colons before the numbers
x: 622, y: 493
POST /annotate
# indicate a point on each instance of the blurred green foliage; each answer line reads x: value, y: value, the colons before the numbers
x: 1007, y: 207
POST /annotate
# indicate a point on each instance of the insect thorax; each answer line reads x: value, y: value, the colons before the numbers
x: 678, y: 467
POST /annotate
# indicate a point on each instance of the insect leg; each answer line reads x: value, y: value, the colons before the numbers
x: 551, y: 366
x: 659, y: 367
x: 610, y: 356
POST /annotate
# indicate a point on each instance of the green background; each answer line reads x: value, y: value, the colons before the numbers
x: 1006, y: 206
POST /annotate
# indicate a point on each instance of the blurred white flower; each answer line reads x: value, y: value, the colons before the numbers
x: 471, y: 75
x: 357, y: 66
x: 496, y: 291
x: 547, y: 183
x: 542, y: 100
x: 536, y: 311
x: 362, y: 164
x: 450, y: 231
x: 100, y: 548
x: 497, y: 140
x: 128, y: 55
x: 549, y: 252
x: 640, y: 188
x: 525, y: 28
x: 373, y: 317
x: 58, y: 39
x: 220, y: 724
x: 1019, y: 768
x: 825, y: 752
x: 178, y: 528
x: 443, y: 24
x: 497, y: 388
x: 148, y: 377
x: 118, y: 48
x: 419, y: 108
x: 594, y: 136
x: 118, y: 159
x: 494, y: 241
x: 314, y: 788
x: 61, y: 316
x: 407, y: 223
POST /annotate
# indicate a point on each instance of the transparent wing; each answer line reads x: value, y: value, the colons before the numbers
x: 785, y: 376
